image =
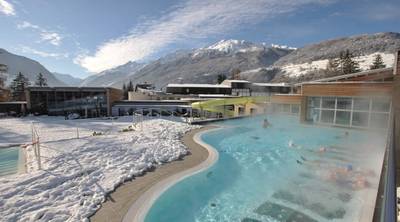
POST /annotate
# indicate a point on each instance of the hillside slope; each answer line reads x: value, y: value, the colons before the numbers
x: 28, y: 67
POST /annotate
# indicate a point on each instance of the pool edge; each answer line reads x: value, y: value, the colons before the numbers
x: 137, y: 212
x: 21, y: 161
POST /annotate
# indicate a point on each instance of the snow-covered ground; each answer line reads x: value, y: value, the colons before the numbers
x: 78, y: 173
x: 295, y: 70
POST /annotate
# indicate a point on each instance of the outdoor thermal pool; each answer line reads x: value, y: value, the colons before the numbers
x: 287, y: 172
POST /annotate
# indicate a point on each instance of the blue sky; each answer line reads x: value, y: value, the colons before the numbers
x: 85, y: 37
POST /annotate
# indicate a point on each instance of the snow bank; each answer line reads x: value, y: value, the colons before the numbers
x: 78, y: 173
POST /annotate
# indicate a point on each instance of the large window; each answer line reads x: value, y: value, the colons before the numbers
x: 287, y: 108
x: 349, y: 111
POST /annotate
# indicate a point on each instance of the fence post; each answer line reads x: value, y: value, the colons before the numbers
x: 38, y: 151
x: 77, y: 132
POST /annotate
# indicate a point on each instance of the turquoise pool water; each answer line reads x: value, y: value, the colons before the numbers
x: 8, y: 160
x: 278, y: 174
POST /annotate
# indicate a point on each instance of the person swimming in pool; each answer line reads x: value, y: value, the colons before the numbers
x: 291, y: 144
x: 345, y: 135
x: 266, y: 123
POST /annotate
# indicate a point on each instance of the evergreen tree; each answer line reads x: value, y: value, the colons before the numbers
x: 18, y: 86
x: 221, y: 78
x: 130, y: 86
x: 40, y: 80
x: 125, y: 91
x: 378, y: 63
x: 333, y: 66
x: 347, y: 63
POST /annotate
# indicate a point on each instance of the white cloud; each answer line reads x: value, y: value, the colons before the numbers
x: 51, y: 37
x: 191, y: 20
x: 25, y: 24
x: 6, y: 8
x: 26, y: 49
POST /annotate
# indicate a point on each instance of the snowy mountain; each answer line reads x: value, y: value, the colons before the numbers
x: 229, y: 46
x: 310, y: 62
x: 204, y: 64
x: 28, y: 67
x: 67, y: 79
x: 112, y: 76
x: 258, y: 62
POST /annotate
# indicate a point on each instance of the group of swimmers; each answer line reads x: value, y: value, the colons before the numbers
x: 340, y: 174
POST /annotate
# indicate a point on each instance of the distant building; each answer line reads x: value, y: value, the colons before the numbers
x: 195, y: 89
x: 268, y: 89
x: 239, y: 87
x: 147, y: 91
x: 3, y: 75
x: 152, y: 107
x: 4, y: 92
x: 14, y: 108
x: 86, y: 101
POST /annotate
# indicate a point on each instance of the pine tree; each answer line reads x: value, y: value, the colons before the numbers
x: 125, y: 91
x: 18, y: 86
x: 40, y: 80
x: 347, y: 63
x: 378, y: 62
x: 333, y: 65
x: 221, y: 78
x: 130, y: 86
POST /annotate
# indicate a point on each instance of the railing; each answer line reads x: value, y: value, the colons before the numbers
x: 388, y: 192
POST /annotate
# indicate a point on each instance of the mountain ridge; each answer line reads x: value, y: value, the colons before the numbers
x: 28, y: 67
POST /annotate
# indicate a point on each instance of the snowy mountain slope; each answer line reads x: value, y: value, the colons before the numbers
x: 310, y: 62
x: 67, y: 79
x: 359, y: 45
x: 294, y: 70
x: 257, y: 61
x: 28, y: 67
x: 204, y: 64
x: 229, y: 46
x: 111, y: 76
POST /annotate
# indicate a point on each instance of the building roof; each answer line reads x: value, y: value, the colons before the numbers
x: 153, y: 103
x: 282, y: 84
x: 13, y: 102
x: 346, y: 76
x: 343, y: 82
x: 67, y: 88
x: 235, y: 80
x: 216, y: 96
x: 197, y: 86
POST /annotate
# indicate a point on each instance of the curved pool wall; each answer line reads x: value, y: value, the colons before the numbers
x: 9, y: 160
x: 259, y: 177
x: 139, y: 210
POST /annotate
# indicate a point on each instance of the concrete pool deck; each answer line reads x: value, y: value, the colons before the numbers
x: 132, y: 200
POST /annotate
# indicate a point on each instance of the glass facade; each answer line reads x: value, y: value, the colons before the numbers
x: 286, y: 108
x: 349, y: 111
x: 63, y: 102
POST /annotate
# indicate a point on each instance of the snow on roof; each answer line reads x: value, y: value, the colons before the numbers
x: 198, y: 85
x: 272, y: 84
x: 236, y: 80
x: 216, y: 96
